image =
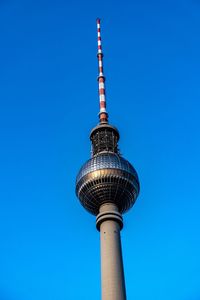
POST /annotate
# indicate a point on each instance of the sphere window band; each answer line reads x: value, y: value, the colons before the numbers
x: 104, y: 161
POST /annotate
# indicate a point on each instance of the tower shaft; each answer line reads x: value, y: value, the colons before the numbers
x: 112, y: 273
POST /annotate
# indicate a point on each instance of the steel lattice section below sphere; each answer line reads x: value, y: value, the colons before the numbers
x: 107, y: 178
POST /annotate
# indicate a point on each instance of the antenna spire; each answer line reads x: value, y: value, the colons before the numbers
x: 103, y: 115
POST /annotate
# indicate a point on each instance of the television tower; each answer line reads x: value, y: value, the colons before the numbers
x: 107, y: 185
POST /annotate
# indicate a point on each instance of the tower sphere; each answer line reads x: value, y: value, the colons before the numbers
x: 107, y: 178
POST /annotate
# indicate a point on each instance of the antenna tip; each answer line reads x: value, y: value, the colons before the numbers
x: 98, y: 20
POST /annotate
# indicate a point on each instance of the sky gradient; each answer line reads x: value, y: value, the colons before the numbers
x: 49, y: 246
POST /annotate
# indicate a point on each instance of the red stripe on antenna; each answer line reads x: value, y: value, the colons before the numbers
x: 103, y: 116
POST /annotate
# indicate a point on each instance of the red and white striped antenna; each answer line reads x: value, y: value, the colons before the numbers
x: 103, y: 115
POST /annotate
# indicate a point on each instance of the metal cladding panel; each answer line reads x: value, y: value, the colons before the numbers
x: 106, y: 161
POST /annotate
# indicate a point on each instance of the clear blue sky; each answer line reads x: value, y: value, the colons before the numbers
x: 49, y: 247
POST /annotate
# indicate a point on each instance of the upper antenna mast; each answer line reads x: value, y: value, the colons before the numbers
x: 103, y: 115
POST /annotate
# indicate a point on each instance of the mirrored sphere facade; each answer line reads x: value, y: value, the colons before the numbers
x: 105, y: 178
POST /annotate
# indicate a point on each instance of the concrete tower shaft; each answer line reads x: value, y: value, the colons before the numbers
x: 112, y: 271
